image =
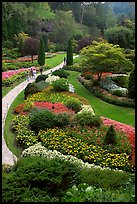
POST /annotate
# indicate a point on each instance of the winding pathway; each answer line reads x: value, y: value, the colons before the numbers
x: 7, y: 156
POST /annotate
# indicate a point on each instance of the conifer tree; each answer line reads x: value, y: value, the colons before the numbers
x: 69, y: 53
x: 45, y: 40
x: 111, y: 136
x: 41, y: 53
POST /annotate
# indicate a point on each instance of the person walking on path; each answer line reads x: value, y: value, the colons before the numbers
x: 34, y: 73
x: 41, y: 70
x: 64, y: 60
x: 31, y: 73
x: 28, y: 76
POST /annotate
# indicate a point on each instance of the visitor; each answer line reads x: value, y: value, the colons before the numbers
x: 31, y: 73
x: 64, y: 60
x: 34, y: 73
x: 28, y: 76
x: 41, y: 70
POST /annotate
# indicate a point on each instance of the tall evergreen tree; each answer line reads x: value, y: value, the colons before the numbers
x: 45, y: 40
x: 41, y: 53
x: 69, y: 53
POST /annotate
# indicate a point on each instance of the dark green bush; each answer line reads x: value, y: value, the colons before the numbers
x: 62, y: 120
x: 111, y: 136
x: 121, y: 81
x: 74, y: 105
x: 41, y: 77
x: 61, y: 73
x: 41, y: 119
x: 104, y: 178
x: 38, y: 177
x: 42, y: 85
x: 88, y: 119
x: 117, y: 92
x: 88, y: 76
x: 61, y: 84
x: 131, y: 85
x: 31, y: 88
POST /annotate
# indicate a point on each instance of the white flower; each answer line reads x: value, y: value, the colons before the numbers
x: 51, y: 78
x: 87, y: 108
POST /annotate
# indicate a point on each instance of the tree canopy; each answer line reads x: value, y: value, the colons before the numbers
x: 102, y: 57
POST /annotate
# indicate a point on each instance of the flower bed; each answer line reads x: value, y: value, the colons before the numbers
x: 127, y: 129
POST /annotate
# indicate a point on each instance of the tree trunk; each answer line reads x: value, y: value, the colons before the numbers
x: 32, y: 58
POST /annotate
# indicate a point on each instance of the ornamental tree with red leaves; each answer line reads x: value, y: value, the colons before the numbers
x: 30, y: 47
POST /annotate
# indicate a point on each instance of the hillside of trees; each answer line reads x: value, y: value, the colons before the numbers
x: 59, y: 21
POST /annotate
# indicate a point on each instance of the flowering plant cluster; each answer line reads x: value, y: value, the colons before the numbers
x: 87, y: 109
x: 21, y: 59
x: 127, y: 129
x: 25, y: 137
x: 51, y: 79
x: 57, y: 139
x: 49, y: 96
x: 39, y: 150
x: 10, y: 73
x: 54, y: 107
x: 110, y: 86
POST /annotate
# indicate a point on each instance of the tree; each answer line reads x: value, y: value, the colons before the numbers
x: 41, y: 53
x: 120, y: 35
x: 45, y: 40
x: 69, y: 53
x: 111, y: 136
x: 102, y: 57
x: 131, y: 85
x: 30, y: 47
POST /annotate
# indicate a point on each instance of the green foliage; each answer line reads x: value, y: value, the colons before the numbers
x: 85, y: 118
x: 121, y: 81
x: 41, y: 119
x: 101, y: 178
x: 62, y: 120
x: 41, y: 53
x: 41, y: 77
x: 42, y: 85
x: 131, y: 85
x: 120, y: 35
x: 61, y: 73
x: 117, y: 92
x: 45, y: 40
x: 104, y: 57
x: 74, y: 104
x: 60, y: 85
x: 69, y: 53
x: 38, y: 177
x: 111, y: 136
x: 31, y: 88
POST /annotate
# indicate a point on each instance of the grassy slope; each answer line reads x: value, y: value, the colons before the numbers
x: 9, y: 136
x: 121, y: 114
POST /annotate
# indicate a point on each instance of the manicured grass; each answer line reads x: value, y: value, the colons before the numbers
x: 118, y: 113
x: 54, y: 61
x: 9, y: 136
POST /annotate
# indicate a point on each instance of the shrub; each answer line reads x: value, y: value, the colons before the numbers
x: 117, y: 92
x: 51, y: 79
x: 87, y: 118
x: 38, y: 177
x: 31, y: 88
x: 41, y: 77
x: 87, y: 108
x: 42, y: 85
x: 62, y: 120
x: 88, y: 76
x: 121, y: 81
x: 41, y: 119
x: 110, y: 137
x: 61, y: 85
x: 61, y: 73
x: 131, y: 85
x: 74, y: 104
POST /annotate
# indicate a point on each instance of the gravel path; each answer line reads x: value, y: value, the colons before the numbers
x: 7, y: 156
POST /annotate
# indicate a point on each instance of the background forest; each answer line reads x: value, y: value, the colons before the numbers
x: 58, y: 21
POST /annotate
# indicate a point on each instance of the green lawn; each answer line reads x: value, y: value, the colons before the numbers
x: 9, y: 136
x: 118, y: 113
